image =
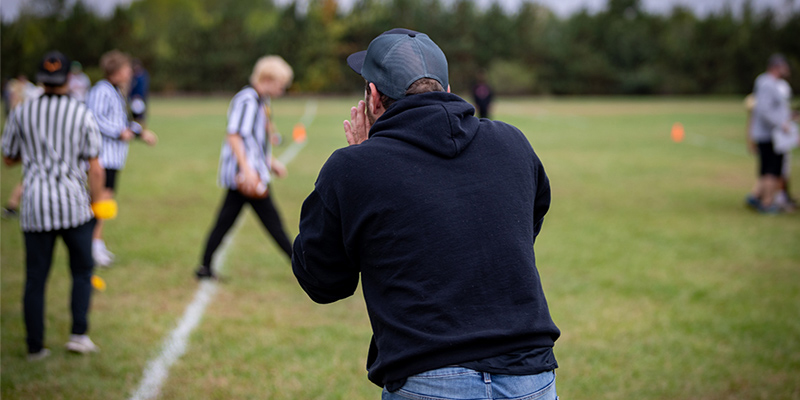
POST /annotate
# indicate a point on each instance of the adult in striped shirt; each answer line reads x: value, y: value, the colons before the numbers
x: 107, y: 100
x: 50, y: 135
x: 246, y: 160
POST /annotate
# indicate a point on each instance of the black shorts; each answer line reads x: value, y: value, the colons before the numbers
x: 111, y: 178
x: 770, y: 162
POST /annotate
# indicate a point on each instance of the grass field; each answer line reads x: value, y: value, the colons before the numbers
x: 663, y: 284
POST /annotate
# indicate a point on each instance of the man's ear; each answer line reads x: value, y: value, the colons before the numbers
x: 448, y: 88
x: 374, y: 99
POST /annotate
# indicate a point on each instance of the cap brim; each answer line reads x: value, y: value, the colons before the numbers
x: 356, y: 61
x: 51, y: 79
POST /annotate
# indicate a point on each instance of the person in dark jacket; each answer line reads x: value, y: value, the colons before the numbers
x: 437, y: 211
x: 140, y: 89
x: 482, y: 95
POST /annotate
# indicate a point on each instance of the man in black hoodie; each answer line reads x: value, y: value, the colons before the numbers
x: 437, y: 212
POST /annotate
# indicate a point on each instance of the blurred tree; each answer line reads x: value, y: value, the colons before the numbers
x: 211, y: 45
x: 787, y: 42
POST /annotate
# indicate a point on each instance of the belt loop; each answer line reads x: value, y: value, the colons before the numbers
x: 487, y: 378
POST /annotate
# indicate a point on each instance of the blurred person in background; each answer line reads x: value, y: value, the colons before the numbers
x: 50, y: 147
x: 771, y: 116
x: 246, y: 162
x: 482, y: 95
x: 140, y: 88
x: 79, y: 82
x: 19, y: 90
x: 784, y: 143
x: 107, y: 100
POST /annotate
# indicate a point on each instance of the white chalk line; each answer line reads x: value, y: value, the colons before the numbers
x: 309, y: 113
x: 289, y: 154
x: 174, y: 347
x: 157, y: 370
x: 307, y: 119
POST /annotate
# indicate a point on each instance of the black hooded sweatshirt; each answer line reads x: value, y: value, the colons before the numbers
x: 438, y: 212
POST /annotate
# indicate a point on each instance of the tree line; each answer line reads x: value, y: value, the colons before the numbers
x: 211, y: 45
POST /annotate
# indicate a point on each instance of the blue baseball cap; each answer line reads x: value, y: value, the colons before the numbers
x: 397, y: 58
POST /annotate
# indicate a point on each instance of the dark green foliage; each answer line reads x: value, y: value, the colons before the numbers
x: 210, y: 45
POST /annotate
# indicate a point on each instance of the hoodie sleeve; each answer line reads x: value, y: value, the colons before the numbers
x: 319, y: 261
x: 542, y: 202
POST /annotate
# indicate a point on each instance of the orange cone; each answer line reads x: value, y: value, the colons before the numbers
x: 677, y: 132
x: 299, y: 133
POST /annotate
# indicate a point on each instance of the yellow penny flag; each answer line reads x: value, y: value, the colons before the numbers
x: 98, y: 283
x: 105, y: 209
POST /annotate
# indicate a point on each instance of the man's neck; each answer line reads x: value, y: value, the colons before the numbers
x: 56, y: 89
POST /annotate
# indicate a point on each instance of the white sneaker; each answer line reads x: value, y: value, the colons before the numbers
x: 101, y: 245
x: 109, y: 254
x: 100, y: 254
x: 42, y: 354
x: 81, y: 344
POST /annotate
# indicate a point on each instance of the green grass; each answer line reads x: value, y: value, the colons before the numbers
x: 663, y: 284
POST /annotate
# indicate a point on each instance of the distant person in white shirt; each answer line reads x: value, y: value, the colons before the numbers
x: 784, y: 143
x: 771, y: 114
x: 79, y: 82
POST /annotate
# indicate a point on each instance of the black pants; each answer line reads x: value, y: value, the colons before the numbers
x: 111, y: 179
x: 231, y: 208
x: 770, y: 162
x: 39, y: 257
x: 483, y: 109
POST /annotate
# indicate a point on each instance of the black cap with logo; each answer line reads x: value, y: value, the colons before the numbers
x: 53, y: 69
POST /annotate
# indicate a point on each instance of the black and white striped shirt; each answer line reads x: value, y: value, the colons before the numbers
x: 52, y: 134
x: 111, y: 112
x: 247, y: 117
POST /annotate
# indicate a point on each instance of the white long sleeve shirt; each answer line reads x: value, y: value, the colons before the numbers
x: 772, y: 107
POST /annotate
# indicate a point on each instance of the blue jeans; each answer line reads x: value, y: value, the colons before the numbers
x: 457, y: 383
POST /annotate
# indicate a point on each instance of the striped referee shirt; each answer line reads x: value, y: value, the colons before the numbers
x: 111, y: 112
x: 51, y: 134
x: 247, y: 117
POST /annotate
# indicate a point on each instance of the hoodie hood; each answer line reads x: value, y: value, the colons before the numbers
x: 438, y: 122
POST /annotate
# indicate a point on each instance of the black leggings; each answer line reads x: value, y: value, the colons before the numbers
x: 38, y: 259
x: 231, y: 207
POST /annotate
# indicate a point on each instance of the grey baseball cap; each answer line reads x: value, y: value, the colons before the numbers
x: 397, y: 58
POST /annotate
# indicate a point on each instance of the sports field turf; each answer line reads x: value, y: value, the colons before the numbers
x: 664, y: 285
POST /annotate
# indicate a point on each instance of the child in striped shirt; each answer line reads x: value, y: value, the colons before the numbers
x: 107, y: 100
x: 246, y: 161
